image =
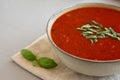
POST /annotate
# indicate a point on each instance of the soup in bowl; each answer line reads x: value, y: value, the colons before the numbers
x: 86, y: 38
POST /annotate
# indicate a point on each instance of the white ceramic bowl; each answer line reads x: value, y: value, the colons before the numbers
x: 88, y: 67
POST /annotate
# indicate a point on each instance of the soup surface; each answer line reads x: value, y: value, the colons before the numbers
x: 65, y: 35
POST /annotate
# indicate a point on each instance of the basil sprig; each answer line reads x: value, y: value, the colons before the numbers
x: 44, y: 62
x: 27, y: 54
x: 94, y: 31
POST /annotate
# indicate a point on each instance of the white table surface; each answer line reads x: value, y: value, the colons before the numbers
x: 23, y: 21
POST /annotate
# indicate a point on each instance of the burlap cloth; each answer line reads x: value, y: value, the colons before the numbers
x: 42, y: 47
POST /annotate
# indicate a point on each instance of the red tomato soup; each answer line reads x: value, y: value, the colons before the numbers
x: 66, y: 37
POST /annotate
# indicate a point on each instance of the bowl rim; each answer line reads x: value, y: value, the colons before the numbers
x: 58, y: 13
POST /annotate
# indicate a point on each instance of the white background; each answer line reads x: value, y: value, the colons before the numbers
x: 23, y: 21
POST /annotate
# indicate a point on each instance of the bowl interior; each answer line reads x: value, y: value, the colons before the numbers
x: 55, y: 16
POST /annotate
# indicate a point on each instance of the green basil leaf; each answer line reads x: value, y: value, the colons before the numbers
x: 27, y: 54
x: 47, y: 63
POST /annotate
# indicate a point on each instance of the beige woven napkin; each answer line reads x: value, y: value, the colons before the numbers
x: 42, y: 47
